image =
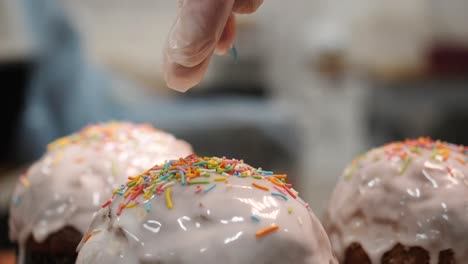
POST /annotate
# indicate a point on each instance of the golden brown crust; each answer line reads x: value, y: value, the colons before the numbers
x: 399, y: 254
x: 356, y: 254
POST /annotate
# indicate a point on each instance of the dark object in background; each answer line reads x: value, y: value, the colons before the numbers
x: 355, y: 254
x: 452, y: 127
x: 4, y: 240
x: 434, y: 107
x: 14, y: 77
x: 254, y: 90
x: 59, y: 247
x: 250, y: 143
x: 446, y: 59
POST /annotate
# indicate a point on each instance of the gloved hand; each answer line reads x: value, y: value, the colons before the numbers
x: 201, y: 28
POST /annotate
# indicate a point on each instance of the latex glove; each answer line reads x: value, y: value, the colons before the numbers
x: 201, y: 28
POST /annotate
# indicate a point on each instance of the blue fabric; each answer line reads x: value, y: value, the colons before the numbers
x: 65, y: 92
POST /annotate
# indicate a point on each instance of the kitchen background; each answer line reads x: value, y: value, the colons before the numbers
x: 316, y: 82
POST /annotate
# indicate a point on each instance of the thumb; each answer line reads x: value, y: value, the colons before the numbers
x: 193, y: 39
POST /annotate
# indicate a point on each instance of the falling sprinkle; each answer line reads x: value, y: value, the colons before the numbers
x: 255, y: 218
x: 290, y: 210
x: 234, y: 54
x: 259, y: 186
x: 267, y: 230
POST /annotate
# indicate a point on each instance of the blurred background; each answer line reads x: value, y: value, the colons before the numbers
x: 316, y: 83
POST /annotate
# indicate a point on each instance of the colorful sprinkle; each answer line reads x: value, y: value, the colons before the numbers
x: 280, y: 176
x: 192, y: 170
x: 182, y: 176
x: 24, y: 181
x: 450, y: 171
x: 168, y: 199
x: 461, y: 160
x: 280, y: 195
x: 350, y: 171
x: 106, y: 203
x: 148, y: 207
x: 87, y: 237
x: 406, y: 163
x: 290, y: 192
x: 210, y: 188
x: 255, y: 218
x: 198, y: 182
x: 220, y: 179
x: 404, y: 150
x: 267, y: 230
x: 131, y: 205
x: 259, y: 186
x: 280, y: 190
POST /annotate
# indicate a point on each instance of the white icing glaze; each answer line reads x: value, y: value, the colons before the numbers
x: 208, y: 227
x: 381, y: 201
x: 71, y: 181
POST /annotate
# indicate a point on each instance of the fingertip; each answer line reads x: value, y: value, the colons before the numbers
x: 247, y: 6
x: 181, y: 78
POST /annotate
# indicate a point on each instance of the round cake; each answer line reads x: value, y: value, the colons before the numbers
x: 405, y: 202
x: 205, y: 210
x: 55, y: 200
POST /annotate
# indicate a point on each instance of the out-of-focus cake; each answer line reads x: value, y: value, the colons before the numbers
x: 405, y: 202
x: 55, y: 200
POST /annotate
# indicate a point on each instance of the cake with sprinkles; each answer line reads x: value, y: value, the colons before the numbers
x: 205, y: 210
x: 55, y: 200
x: 405, y: 202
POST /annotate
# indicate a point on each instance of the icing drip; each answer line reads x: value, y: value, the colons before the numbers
x: 68, y: 184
